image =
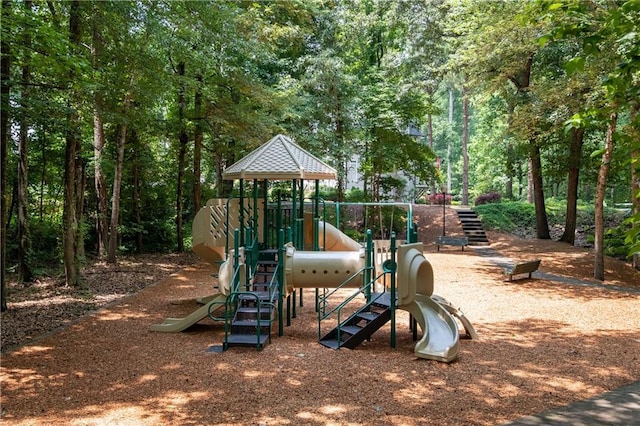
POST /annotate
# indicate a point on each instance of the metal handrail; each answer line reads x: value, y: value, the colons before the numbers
x: 233, y: 299
x: 322, y: 315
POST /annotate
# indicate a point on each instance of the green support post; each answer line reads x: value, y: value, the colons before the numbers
x: 236, y: 257
x: 367, y: 266
x: 283, y: 253
x: 241, y: 203
x: 255, y: 210
x: 393, y: 290
x: 248, y: 252
x: 294, y: 209
x: 265, y: 219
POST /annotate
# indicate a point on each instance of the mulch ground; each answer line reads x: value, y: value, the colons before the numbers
x: 544, y: 343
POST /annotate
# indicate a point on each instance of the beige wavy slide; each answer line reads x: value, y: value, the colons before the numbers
x: 175, y: 325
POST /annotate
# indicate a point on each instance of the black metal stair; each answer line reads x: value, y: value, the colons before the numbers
x: 472, y: 227
x: 254, y: 312
x: 361, y: 325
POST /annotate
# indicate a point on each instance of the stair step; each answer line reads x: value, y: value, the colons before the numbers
x: 246, y: 340
x: 250, y: 312
x: 251, y: 323
x: 472, y: 227
x: 330, y: 343
x: 368, y: 316
x: 350, y: 329
x: 262, y: 295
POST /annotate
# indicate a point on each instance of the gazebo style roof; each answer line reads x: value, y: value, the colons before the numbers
x: 279, y: 159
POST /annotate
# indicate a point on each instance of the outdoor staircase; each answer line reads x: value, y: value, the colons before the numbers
x: 361, y: 325
x: 472, y: 227
x: 254, y: 310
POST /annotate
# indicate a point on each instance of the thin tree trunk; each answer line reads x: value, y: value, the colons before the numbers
x: 542, y: 224
x: 430, y: 130
x: 98, y: 147
x: 72, y: 153
x: 197, y: 150
x: 465, y: 143
x: 5, y: 68
x: 24, y: 269
x: 43, y: 173
x: 183, y: 140
x: 81, y: 185
x: 115, y: 199
x: 342, y: 161
x: 112, y: 249
x: 598, y: 245
x: 530, y: 190
x: 136, y: 191
x: 575, y: 151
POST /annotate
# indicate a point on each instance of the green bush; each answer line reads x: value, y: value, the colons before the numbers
x: 520, y: 217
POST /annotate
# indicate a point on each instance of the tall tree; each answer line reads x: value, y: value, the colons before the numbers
x: 609, y: 43
x: 601, y: 187
x: 5, y: 68
x: 24, y: 268
x: 183, y: 140
x: 498, y: 53
x: 197, y: 146
x: 102, y: 230
x: 575, y: 154
x: 117, y: 182
x: 73, y: 168
x: 465, y: 143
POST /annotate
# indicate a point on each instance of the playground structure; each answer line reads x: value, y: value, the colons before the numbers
x: 265, y: 253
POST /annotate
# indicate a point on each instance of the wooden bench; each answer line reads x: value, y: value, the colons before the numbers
x: 451, y: 241
x: 522, y: 268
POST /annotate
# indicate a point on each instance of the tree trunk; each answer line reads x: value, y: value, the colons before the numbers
x: 5, y: 68
x: 98, y: 148
x: 575, y: 151
x: 24, y: 269
x: 115, y: 199
x: 112, y: 249
x: 430, y: 130
x: 183, y: 140
x: 43, y: 173
x: 197, y: 150
x: 542, y: 224
x: 465, y: 143
x: 598, y: 245
x: 72, y: 153
x: 530, y: 190
x: 136, y: 191
x: 81, y: 186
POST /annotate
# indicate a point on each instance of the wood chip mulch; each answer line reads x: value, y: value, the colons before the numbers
x: 544, y: 344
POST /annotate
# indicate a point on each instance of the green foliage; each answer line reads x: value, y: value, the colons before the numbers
x: 632, y: 235
x: 519, y: 218
x: 507, y: 216
x: 342, y: 78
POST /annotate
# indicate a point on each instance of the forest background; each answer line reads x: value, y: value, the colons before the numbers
x: 118, y: 118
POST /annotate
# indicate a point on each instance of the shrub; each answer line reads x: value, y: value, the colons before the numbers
x: 490, y: 197
x: 439, y: 197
